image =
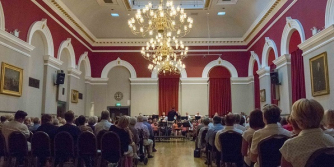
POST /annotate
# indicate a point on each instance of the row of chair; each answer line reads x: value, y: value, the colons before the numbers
x: 99, y: 150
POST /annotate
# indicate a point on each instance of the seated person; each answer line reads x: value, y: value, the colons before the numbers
x: 308, y: 115
x: 147, y: 142
x: 237, y: 122
x: 81, y: 122
x: 69, y: 127
x: 37, y: 123
x: 229, y: 121
x: 92, y: 122
x: 155, y: 127
x: 329, y: 122
x: 3, y: 119
x: 47, y: 126
x: 124, y: 136
x: 217, y: 125
x: 271, y: 118
x: 104, y: 124
x: 200, y: 143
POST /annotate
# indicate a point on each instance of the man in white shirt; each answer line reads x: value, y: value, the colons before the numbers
x: 271, y: 117
x: 104, y: 124
x: 229, y: 122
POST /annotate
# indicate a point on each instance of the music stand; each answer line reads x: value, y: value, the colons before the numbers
x: 197, y: 117
x: 184, y: 118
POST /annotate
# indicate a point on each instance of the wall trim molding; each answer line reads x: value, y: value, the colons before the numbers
x: 253, y: 58
x: 88, y: 70
x: 10, y: 41
x: 143, y: 81
x: 2, y: 18
x: 219, y: 62
x: 290, y: 26
x: 194, y: 81
x: 155, y: 72
x: 242, y: 80
x: 118, y: 62
x: 269, y: 44
x: 75, y: 72
x: 41, y: 26
x: 264, y: 71
x: 282, y: 61
x: 318, y: 40
x: 52, y: 62
x: 96, y: 81
x: 66, y: 44
x: 329, y: 16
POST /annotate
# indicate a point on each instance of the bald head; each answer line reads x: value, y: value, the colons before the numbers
x: 140, y: 118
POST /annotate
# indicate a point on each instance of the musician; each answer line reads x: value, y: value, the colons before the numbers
x: 172, y: 114
x: 155, y: 127
x: 197, y: 115
x: 163, y: 116
x: 187, y: 115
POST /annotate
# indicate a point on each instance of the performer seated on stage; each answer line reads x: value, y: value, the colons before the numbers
x: 155, y: 127
x: 176, y: 128
x: 163, y: 116
x: 197, y: 115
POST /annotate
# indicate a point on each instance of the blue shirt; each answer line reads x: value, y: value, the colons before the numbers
x: 210, y: 137
x: 149, y: 127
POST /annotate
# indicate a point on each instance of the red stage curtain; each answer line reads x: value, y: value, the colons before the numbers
x: 297, y: 75
x: 168, y: 94
x: 220, y: 96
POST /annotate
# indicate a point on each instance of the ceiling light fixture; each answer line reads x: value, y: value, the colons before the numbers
x: 114, y: 14
x: 221, y: 13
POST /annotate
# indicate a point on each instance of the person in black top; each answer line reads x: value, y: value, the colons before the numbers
x: 69, y: 127
x: 124, y: 136
x: 47, y: 126
x: 172, y: 114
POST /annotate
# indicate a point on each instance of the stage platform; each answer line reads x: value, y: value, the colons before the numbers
x: 169, y: 138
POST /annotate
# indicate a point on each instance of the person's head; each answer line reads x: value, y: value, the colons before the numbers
x: 55, y: 122
x: 197, y: 113
x: 230, y: 119
x: 36, y: 120
x: 145, y: 119
x: 140, y: 118
x: 187, y: 114
x: 81, y: 120
x: 206, y: 121
x: 154, y: 120
x: 105, y: 115
x: 132, y: 121
x: 46, y: 118
x: 271, y: 114
x: 217, y: 120
x: 237, y: 118
x: 307, y: 113
x: 329, y: 119
x: 3, y: 119
x: 123, y: 122
x: 283, y: 121
x: 173, y: 108
x: 256, y: 119
x: 69, y: 116
x: 91, y: 121
x: 294, y: 125
x: 20, y: 116
x: 243, y: 120
x: 149, y: 120
x: 163, y: 113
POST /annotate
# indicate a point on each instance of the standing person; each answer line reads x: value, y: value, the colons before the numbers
x: 104, y: 124
x: 172, y: 114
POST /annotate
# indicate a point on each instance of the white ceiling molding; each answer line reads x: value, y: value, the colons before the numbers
x: 155, y: 72
x: 16, y: 44
x: 43, y: 29
x: 291, y: 26
x: 242, y: 80
x: 96, y: 81
x: 88, y: 70
x: 220, y: 62
x: 67, y: 45
x: 144, y: 81
x: 194, y: 81
x: 2, y: 18
x: 329, y: 17
x: 253, y: 58
x: 264, y: 71
x: 118, y: 62
x: 269, y: 44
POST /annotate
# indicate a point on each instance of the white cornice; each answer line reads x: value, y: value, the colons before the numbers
x: 52, y: 62
x: 12, y: 42
x: 144, y: 81
x: 194, y: 81
x: 96, y: 81
x: 241, y: 80
x: 74, y: 71
x: 282, y: 61
x: 263, y: 72
x: 318, y: 40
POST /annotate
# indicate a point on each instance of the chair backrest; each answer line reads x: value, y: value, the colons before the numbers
x: 231, y: 143
x: 17, y: 144
x: 64, y: 145
x: 40, y: 144
x: 111, y: 147
x: 2, y: 146
x: 203, y: 135
x: 268, y: 149
x: 323, y: 157
x: 99, y: 137
x: 87, y: 144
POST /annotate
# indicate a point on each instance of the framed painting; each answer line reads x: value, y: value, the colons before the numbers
x: 319, y: 75
x: 263, y: 95
x: 74, y: 96
x: 11, y: 80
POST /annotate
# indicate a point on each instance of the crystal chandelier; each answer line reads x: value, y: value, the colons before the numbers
x: 163, y: 55
x: 165, y: 18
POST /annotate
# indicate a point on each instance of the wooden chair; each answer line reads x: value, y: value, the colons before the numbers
x: 87, y: 149
x: 63, y: 149
x: 3, y: 150
x: 323, y: 157
x: 203, y: 139
x: 268, y: 149
x: 231, y: 143
x: 40, y: 148
x: 17, y: 148
x: 210, y: 151
x: 110, y: 149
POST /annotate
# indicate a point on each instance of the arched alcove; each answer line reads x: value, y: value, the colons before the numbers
x: 254, y: 59
x: 66, y: 45
x: 269, y: 44
x: 289, y: 36
x: 220, y: 62
x: 42, y: 28
x: 118, y: 62
x: 118, y: 82
x: 329, y: 17
x: 84, y: 59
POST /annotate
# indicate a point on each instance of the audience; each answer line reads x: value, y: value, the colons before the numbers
x: 104, y: 124
x: 124, y: 136
x: 27, y: 121
x: 255, y: 123
x: 37, y: 123
x: 286, y: 124
x: 210, y: 135
x: 200, y: 143
x: 329, y: 122
x: 69, y: 127
x: 230, y: 120
x: 92, y: 122
x: 151, y: 132
x: 47, y: 126
x: 147, y: 142
x: 271, y: 118
x: 3, y: 120
x: 237, y: 123
x: 81, y: 124
x: 308, y: 115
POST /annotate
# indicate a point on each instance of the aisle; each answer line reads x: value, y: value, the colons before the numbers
x: 174, y: 154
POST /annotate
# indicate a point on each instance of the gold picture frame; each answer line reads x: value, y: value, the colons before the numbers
x: 263, y: 95
x: 11, y: 80
x: 74, y: 96
x: 319, y: 75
